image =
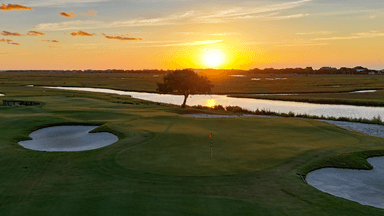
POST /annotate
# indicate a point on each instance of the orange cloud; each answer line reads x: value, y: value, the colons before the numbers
x: 90, y: 13
x: 9, y: 41
x: 53, y: 41
x: 35, y: 33
x: 6, y: 40
x: 7, y: 33
x: 122, y: 38
x: 14, y: 7
x: 81, y: 33
x: 69, y: 15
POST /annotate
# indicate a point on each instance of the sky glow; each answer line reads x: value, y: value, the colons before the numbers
x: 176, y: 34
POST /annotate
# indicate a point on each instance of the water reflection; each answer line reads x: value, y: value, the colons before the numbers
x: 276, y: 78
x: 364, y: 91
x: 237, y: 75
x: 250, y: 104
x: 273, y: 94
x: 210, y: 102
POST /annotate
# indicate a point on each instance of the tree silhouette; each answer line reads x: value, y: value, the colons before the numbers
x: 184, y: 82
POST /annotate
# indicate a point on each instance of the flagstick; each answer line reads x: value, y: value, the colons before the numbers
x: 211, y: 147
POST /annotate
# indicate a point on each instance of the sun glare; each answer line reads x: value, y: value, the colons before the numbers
x: 210, y: 103
x: 213, y: 58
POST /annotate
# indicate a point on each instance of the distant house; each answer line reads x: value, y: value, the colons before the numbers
x: 360, y: 69
x: 328, y: 68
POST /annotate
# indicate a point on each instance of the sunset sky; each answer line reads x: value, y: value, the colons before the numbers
x: 175, y: 34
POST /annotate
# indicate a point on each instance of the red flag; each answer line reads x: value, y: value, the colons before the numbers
x: 210, y: 135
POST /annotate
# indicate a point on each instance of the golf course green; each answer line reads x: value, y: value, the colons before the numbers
x: 162, y: 165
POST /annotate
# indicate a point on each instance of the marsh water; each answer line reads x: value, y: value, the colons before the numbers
x: 248, y: 103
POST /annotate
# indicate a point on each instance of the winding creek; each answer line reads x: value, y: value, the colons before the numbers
x: 249, y: 103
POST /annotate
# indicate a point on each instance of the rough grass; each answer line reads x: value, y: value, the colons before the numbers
x: 223, y: 84
x: 266, y: 154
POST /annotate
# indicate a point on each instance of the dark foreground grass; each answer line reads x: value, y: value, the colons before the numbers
x: 161, y: 165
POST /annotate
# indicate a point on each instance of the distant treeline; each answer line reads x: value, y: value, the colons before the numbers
x: 323, y: 70
x: 208, y: 72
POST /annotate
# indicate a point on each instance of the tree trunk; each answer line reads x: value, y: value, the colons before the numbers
x: 185, y: 100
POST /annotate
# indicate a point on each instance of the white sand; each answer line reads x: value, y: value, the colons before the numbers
x: 68, y: 139
x: 363, y: 186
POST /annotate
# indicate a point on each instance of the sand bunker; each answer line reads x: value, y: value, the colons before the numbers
x: 68, y: 139
x: 363, y: 186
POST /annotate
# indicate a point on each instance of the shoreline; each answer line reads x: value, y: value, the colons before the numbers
x: 317, y: 101
x: 243, y: 95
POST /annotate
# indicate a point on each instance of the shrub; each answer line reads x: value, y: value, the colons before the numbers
x: 219, y: 107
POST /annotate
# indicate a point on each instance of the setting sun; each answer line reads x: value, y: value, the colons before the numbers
x: 210, y: 102
x: 213, y: 58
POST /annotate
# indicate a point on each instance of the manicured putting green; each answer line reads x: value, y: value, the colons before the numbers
x: 181, y: 146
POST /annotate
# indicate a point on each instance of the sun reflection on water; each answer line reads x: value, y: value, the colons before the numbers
x: 210, y: 102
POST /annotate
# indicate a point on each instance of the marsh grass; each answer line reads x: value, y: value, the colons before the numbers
x: 223, y: 84
x: 239, y: 110
x: 374, y: 99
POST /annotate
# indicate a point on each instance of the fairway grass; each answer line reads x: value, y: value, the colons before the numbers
x: 181, y: 146
x: 162, y: 166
